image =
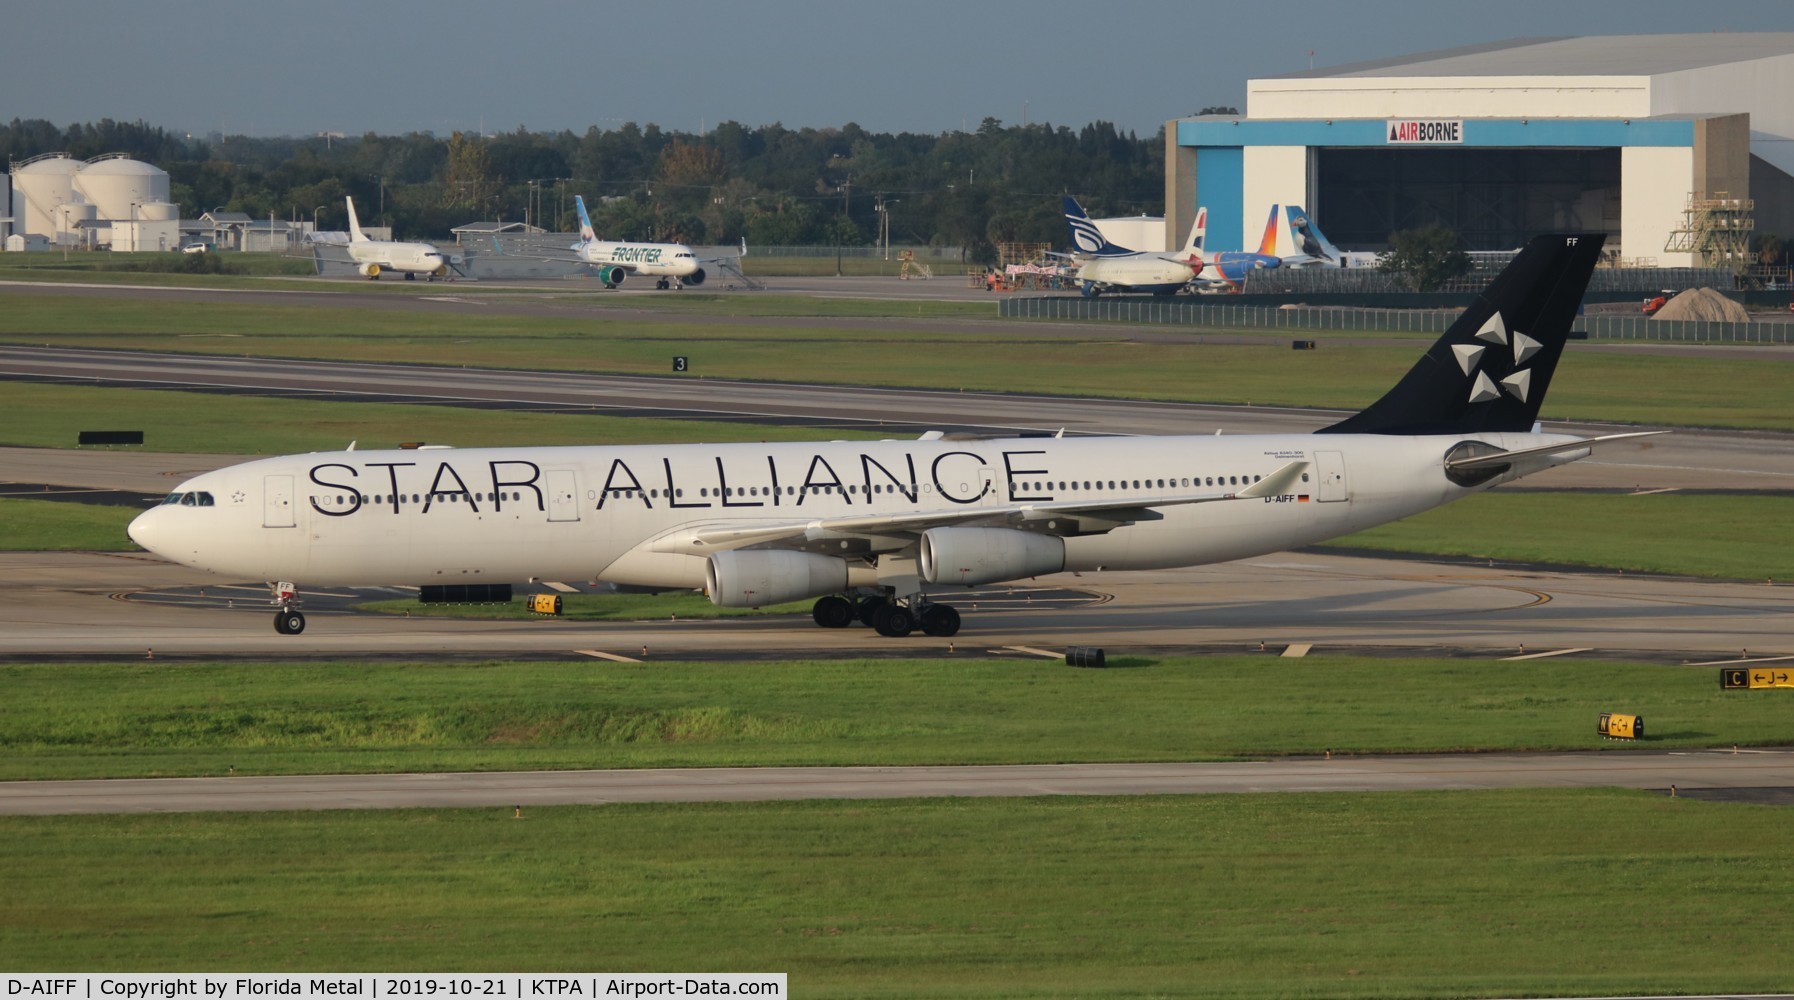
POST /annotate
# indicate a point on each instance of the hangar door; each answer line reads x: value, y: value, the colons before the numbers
x: 1497, y: 199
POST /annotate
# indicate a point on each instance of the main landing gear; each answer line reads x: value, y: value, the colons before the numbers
x: 888, y: 617
x: 288, y: 620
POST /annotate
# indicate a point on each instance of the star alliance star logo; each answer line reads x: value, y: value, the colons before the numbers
x: 238, y: 497
x: 1495, y: 332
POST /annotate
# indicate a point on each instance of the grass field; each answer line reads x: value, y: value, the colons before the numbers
x: 50, y: 416
x: 141, y: 719
x: 1730, y: 536
x: 1555, y: 893
x: 1591, y: 384
x: 50, y: 526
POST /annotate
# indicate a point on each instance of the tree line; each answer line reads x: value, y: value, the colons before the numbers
x: 768, y: 184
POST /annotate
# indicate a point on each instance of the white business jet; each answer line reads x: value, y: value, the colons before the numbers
x: 883, y: 532
x: 1105, y: 267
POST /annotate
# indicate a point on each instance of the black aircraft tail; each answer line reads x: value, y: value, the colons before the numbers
x: 1489, y: 372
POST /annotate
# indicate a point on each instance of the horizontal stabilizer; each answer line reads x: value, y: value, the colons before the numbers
x: 1504, y: 457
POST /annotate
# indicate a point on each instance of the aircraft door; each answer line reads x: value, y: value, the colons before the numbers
x: 277, y: 502
x: 1331, y: 468
x: 563, y: 495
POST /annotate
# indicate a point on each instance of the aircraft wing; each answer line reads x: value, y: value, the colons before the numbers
x: 894, y: 530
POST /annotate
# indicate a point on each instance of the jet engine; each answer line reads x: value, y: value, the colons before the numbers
x: 612, y: 275
x: 694, y: 278
x: 370, y: 270
x: 968, y: 556
x: 758, y: 578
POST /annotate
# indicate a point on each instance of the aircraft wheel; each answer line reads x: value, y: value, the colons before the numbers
x: 661, y: 284
x: 832, y: 612
x: 289, y: 622
x: 410, y: 277
x: 940, y: 620
x: 868, y: 608
x: 894, y: 620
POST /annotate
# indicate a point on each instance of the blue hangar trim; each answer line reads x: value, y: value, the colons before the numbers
x: 1494, y: 132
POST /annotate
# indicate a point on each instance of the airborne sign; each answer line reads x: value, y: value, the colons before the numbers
x: 1424, y: 132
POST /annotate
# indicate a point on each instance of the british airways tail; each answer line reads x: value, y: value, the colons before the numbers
x: 1490, y: 370
x: 355, y: 233
x: 1308, y: 238
x: 1085, y: 237
x: 586, y: 232
x: 1199, y: 231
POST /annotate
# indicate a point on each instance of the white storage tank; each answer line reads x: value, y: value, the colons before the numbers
x: 158, y: 211
x: 115, y: 183
x: 40, y: 185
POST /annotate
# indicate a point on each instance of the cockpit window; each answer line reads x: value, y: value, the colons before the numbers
x: 173, y: 498
x: 196, y: 498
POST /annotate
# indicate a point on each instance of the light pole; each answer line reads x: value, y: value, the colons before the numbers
x: 315, y: 212
x: 884, y: 221
x: 133, y: 229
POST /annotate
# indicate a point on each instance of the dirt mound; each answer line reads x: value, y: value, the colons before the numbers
x: 1705, y: 305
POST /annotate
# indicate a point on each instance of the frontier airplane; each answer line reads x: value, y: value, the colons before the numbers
x: 673, y: 264
x: 882, y: 531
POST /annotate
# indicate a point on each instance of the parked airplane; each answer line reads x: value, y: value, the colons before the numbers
x: 882, y: 531
x: 673, y: 264
x: 1110, y: 268
x: 1230, y: 267
x: 375, y: 256
x: 1312, y: 248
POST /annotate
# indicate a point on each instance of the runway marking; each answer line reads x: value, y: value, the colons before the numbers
x: 1297, y: 649
x: 1754, y: 659
x: 1031, y: 651
x: 1646, y: 493
x: 1554, y: 652
x: 563, y: 588
x: 602, y: 655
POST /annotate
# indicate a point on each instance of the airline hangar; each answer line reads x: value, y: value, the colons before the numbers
x: 1664, y: 142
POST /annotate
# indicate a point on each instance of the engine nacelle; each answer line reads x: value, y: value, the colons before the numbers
x: 369, y: 270
x: 612, y: 275
x: 694, y: 278
x: 969, y: 556
x: 758, y: 578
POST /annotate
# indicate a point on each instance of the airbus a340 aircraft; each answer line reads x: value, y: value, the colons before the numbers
x: 882, y: 531
x: 673, y: 264
x: 1109, y: 268
x: 372, y: 257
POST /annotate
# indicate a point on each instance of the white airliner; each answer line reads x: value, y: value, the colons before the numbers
x: 372, y: 257
x: 673, y: 264
x: 1106, y: 267
x: 883, y: 531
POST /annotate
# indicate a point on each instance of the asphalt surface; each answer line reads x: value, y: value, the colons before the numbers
x: 1716, y: 771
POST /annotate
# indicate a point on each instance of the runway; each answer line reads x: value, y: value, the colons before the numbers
x: 1686, y: 459
x: 1747, y: 774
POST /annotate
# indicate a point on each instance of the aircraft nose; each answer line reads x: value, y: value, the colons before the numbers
x: 143, y: 529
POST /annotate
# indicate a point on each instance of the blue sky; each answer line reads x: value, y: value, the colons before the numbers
x: 897, y: 65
